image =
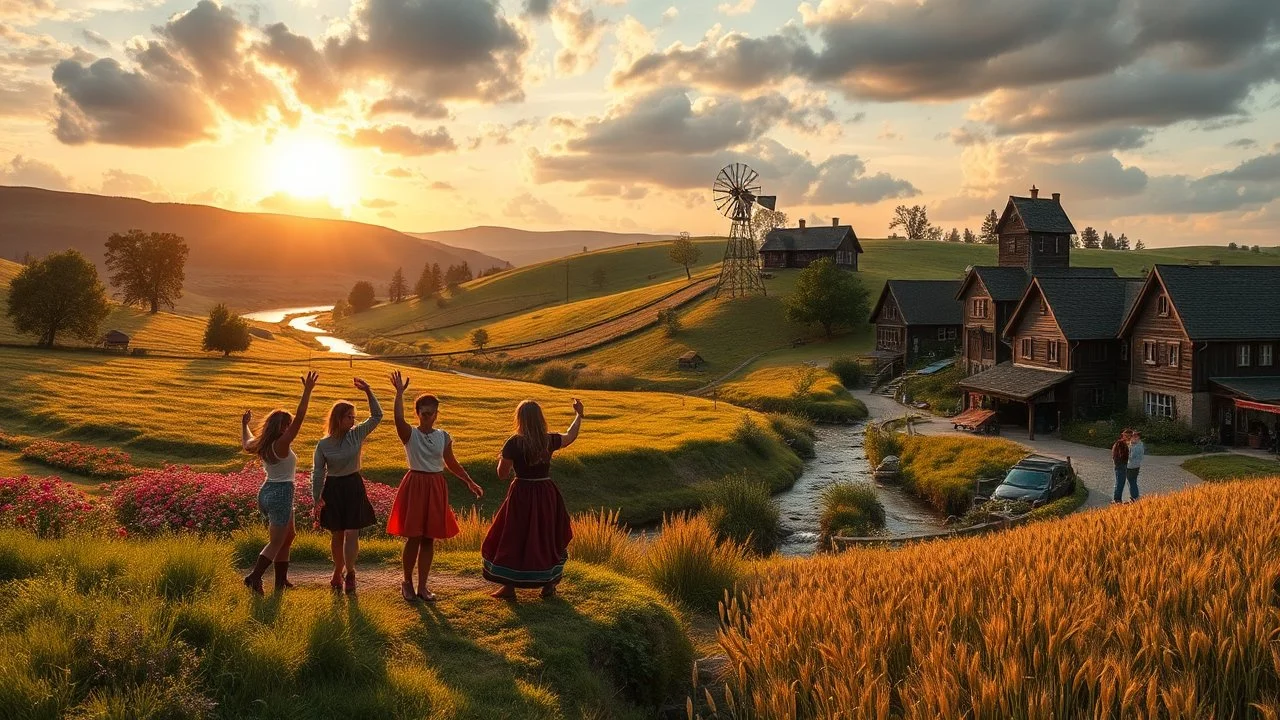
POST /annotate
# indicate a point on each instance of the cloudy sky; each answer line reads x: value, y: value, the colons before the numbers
x: 1156, y: 118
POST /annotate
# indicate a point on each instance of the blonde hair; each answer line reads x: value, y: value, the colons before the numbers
x: 339, y: 409
x: 531, y: 426
x: 268, y: 432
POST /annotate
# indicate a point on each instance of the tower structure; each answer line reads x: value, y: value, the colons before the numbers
x: 736, y: 193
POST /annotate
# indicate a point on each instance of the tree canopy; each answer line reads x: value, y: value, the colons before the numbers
x: 828, y: 296
x: 60, y: 293
x: 684, y: 252
x: 428, y: 282
x: 480, y: 338
x: 765, y: 220
x: 147, y: 268
x: 226, y: 332
x: 914, y: 221
x: 1089, y: 238
x: 989, y: 224
x: 361, y: 297
x: 398, y: 288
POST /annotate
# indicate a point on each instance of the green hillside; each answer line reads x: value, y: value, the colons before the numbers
x: 571, y: 278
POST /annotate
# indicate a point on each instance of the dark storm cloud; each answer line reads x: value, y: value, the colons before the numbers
x: 402, y: 140
x: 105, y: 103
x: 313, y: 80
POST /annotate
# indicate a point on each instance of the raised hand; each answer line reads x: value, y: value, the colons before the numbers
x: 310, y: 380
x: 577, y: 407
x: 399, y: 382
x: 361, y: 385
x: 246, y: 417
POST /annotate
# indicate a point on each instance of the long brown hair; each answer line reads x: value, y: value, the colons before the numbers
x: 531, y: 426
x: 268, y: 432
x: 340, y: 408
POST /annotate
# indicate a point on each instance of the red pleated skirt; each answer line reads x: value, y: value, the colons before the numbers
x: 421, y: 508
x: 528, y: 543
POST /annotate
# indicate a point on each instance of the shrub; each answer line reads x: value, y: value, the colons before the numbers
x: 599, y: 538
x: 850, y: 508
x: 850, y: 371
x: 943, y: 470
x: 940, y: 390
x: 744, y: 512
x: 48, y: 507
x: 693, y: 566
x: 1162, y: 436
x: 556, y: 374
x: 796, y: 431
x: 82, y: 459
x: 880, y: 444
x: 751, y: 434
x: 803, y: 381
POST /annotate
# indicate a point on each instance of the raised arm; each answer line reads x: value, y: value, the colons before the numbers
x: 282, y: 444
x: 362, y: 430
x: 456, y: 468
x: 401, y: 384
x: 246, y: 437
x: 318, y: 472
x: 572, y: 433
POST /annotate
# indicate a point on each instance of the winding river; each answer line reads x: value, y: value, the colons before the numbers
x: 302, y: 318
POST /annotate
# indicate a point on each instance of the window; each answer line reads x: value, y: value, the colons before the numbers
x: 1175, y: 350
x: 1149, y: 356
x: 1162, y: 306
x: 1264, y: 355
x: 890, y: 312
x: 1124, y: 350
x: 844, y: 257
x: 1027, y: 347
x: 1041, y: 243
x: 946, y: 333
x: 1099, y: 397
x: 1053, y: 351
x: 952, y: 333
x: 1242, y: 355
x: 888, y: 338
x: 979, y: 307
x: 1158, y: 405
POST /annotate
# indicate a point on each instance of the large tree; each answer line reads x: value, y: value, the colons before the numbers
x: 1108, y: 240
x: 437, y: 277
x: 969, y: 237
x: 398, y: 288
x: 147, y: 268
x: 989, y: 225
x: 953, y: 236
x: 60, y: 293
x: 828, y: 296
x: 914, y: 221
x: 428, y: 283
x: 361, y: 297
x: 1089, y: 238
x: 1139, y: 245
x: 765, y: 220
x: 226, y: 332
x: 1122, y: 242
x: 684, y: 252
x: 479, y: 338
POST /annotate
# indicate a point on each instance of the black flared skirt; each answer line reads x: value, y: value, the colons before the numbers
x: 346, y: 504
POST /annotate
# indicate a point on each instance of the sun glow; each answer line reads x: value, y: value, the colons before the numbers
x: 311, y: 167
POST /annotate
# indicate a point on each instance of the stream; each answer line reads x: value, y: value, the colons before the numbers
x: 301, y: 318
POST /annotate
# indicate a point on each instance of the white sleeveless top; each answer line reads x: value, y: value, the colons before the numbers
x: 281, y: 470
x: 425, y: 451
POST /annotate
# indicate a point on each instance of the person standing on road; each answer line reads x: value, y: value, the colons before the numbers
x: 1120, y: 458
x: 1137, y: 451
x: 342, y: 503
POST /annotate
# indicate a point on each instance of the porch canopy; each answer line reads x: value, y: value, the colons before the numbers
x: 1014, y: 382
x: 1252, y: 393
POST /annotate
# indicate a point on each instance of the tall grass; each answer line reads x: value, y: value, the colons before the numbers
x: 1165, y: 608
x: 880, y: 444
x: 850, y: 508
x: 943, y: 470
x: 600, y: 538
x: 691, y: 564
x: 851, y: 372
x: 796, y: 431
x: 743, y: 511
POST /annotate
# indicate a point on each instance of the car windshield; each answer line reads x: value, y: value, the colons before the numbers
x: 1027, y: 479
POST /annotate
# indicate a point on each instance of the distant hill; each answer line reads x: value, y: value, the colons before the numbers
x: 522, y: 247
x: 250, y: 260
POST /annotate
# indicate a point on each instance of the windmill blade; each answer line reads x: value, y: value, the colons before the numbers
x: 767, y: 201
x: 748, y: 178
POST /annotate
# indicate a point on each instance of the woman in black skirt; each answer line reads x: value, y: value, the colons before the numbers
x: 342, y: 506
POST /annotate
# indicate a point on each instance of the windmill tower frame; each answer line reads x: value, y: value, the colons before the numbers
x: 736, y: 193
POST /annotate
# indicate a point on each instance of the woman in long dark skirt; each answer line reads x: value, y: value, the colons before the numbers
x: 528, y: 543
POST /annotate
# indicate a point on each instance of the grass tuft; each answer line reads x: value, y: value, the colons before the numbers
x: 691, y: 564
x: 850, y: 508
x: 743, y: 511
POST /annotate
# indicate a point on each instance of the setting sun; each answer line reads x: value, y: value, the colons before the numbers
x: 311, y: 167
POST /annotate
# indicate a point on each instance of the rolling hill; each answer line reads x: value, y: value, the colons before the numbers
x: 522, y: 247
x: 251, y: 260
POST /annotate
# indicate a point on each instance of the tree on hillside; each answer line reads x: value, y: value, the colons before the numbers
x: 1122, y: 242
x: 340, y: 310
x: 765, y: 220
x: 953, y: 236
x: 828, y: 296
x: 425, y: 288
x: 684, y: 252
x: 669, y: 321
x: 147, y: 268
x: 226, y: 332
x: 1108, y: 240
x: 914, y: 221
x: 456, y: 275
x: 933, y: 234
x: 1089, y: 238
x: 398, y: 288
x: 361, y: 296
x: 988, y: 233
x: 1232, y: 246
x: 969, y: 237
x: 437, y: 277
x: 1139, y: 245
x: 480, y: 338
x: 599, y: 277
x: 60, y: 293
x: 1255, y: 249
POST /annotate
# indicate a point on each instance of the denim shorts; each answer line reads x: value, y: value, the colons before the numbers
x: 275, y: 500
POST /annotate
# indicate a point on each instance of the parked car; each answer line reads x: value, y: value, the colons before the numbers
x: 1037, y: 479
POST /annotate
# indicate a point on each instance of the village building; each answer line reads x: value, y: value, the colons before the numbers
x: 916, y: 319
x: 1201, y: 345
x: 799, y: 246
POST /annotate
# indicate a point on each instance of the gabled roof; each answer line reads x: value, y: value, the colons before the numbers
x: 923, y: 302
x: 1042, y: 215
x: 1219, y: 302
x: 1085, y: 308
x: 1006, y: 283
x: 807, y: 239
x: 1258, y: 389
x: 1016, y: 382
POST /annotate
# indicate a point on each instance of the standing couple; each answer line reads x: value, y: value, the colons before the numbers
x: 526, y: 546
x: 1127, y: 454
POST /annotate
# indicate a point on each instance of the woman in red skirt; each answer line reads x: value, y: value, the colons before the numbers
x: 528, y: 543
x: 421, y: 513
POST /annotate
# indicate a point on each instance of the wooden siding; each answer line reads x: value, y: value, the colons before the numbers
x: 778, y: 259
x: 976, y: 328
x: 1221, y: 359
x: 1149, y: 326
x: 1037, y: 325
x: 1034, y: 251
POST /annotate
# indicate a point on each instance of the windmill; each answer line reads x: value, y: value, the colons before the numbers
x: 735, y: 194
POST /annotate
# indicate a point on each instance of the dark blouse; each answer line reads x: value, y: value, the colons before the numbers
x: 513, y: 450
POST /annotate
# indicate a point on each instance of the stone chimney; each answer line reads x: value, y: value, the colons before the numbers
x: 1035, y: 192
x: 1057, y: 197
x: 835, y: 222
x: 801, y: 223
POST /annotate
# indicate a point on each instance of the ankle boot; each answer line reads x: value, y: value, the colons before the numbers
x: 282, y: 574
x: 253, y: 580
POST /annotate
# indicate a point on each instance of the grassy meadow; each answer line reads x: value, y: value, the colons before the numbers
x: 813, y: 392
x: 1216, y: 468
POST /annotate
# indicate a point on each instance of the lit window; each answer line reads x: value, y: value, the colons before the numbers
x: 1053, y: 351
x: 1242, y: 355
x: 1162, y: 306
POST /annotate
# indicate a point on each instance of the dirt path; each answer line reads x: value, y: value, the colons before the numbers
x: 601, y: 334
x: 380, y: 577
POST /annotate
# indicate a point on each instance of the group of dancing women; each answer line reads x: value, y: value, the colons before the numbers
x: 527, y: 543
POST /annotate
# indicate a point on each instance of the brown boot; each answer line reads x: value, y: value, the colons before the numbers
x: 253, y: 580
x: 282, y: 574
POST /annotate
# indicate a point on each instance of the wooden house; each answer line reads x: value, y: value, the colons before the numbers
x: 1201, y: 344
x: 689, y: 361
x: 916, y: 319
x: 114, y: 340
x: 797, y: 247
x: 1035, y: 233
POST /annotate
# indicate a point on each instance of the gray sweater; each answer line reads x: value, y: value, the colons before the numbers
x: 341, y: 456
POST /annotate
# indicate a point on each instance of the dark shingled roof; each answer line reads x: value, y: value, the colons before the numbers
x: 1088, y: 308
x: 1014, y: 381
x: 928, y: 302
x: 808, y: 239
x: 1225, y: 302
x: 1006, y: 283
x: 1259, y: 389
x: 1044, y: 215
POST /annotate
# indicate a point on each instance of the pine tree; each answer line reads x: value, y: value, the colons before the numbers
x: 969, y: 237
x: 1122, y: 242
x: 423, y: 288
x: 953, y: 236
x: 1108, y: 240
x: 1089, y: 238
x: 989, y: 224
x: 398, y: 287
x: 437, y: 277
x: 1139, y: 245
